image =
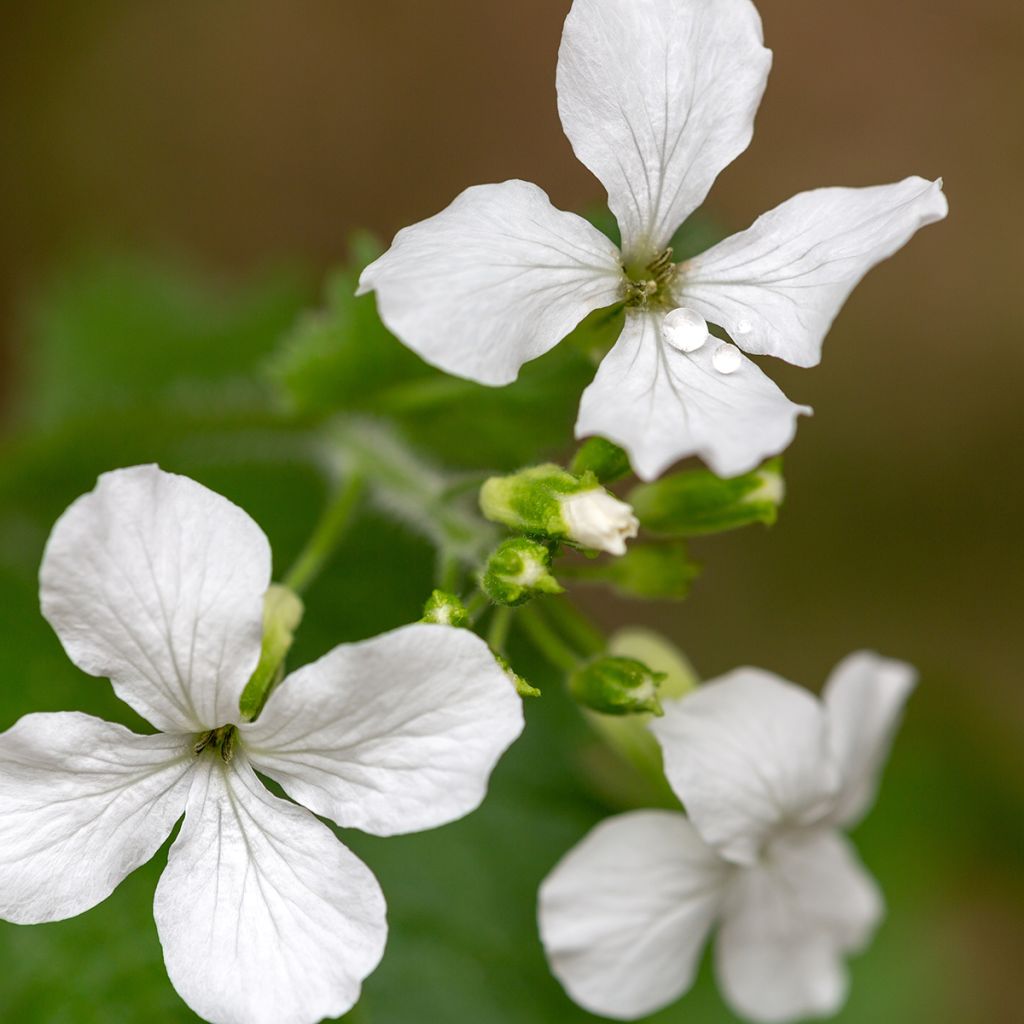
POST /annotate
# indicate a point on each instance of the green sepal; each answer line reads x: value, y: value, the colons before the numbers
x: 697, y: 502
x: 607, y: 461
x: 444, y: 609
x: 282, y: 613
x: 517, y: 570
x: 523, y: 688
x: 616, y: 685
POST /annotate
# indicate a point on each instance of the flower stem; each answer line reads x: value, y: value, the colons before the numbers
x: 326, y: 536
x: 547, y: 641
x: 497, y: 632
x: 576, y: 627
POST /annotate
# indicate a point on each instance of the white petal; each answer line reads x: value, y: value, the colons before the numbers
x: 82, y: 804
x: 864, y: 700
x: 788, y: 923
x: 657, y: 97
x: 625, y: 914
x: 747, y: 753
x: 495, y: 280
x: 777, y: 287
x: 662, y: 405
x: 157, y: 583
x: 392, y: 735
x: 264, y: 917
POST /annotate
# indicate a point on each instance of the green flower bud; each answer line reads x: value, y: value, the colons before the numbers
x: 605, y: 460
x: 697, y: 502
x: 445, y: 609
x: 617, y: 686
x: 517, y: 570
x: 282, y: 613
x: 549, y: 501
x: 653, y: 572
x: 523, y: 688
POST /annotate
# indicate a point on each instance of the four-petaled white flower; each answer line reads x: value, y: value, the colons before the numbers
x: 768, y: 774
x: 265, y: 918
x: 656, y: 97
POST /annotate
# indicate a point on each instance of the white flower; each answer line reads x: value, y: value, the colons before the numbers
x: 656, y: 97
x: 768, y: 775
x: 596, y: 519
x: 265, y: 918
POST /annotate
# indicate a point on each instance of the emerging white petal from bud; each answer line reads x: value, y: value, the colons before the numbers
x: 597, y: 519
x: 727, y: 358
x: 685, y: 329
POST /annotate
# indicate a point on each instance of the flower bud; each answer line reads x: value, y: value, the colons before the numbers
x: 517, y: 570
x: 617, y: 686
x: 282, y: 613
x: 596, y: 519
x: 445, y: 609
x: 654, y: 572
x: 605, y: 460
x: 549, y: 501
x: 697, y: 502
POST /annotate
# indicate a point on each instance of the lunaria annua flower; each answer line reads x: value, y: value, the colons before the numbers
x: 768, y: 775
x: 265, y: 918
x: 656, y: 97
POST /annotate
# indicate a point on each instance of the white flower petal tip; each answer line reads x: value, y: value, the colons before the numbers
x: 685, y: 329
x: 864, y: 699
x: 395, y: 734
x: 663, y: 405
x: 157, y: 583
x: 624, y: 915
x: 264, y: 917
x: 598, y: 520
x: 657, y: 98
x: 778, y: 286
x: 493, y: 281
x: 82, y: 804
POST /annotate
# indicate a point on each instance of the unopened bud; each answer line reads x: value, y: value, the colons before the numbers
x: 598, y: 520
x: 445, y: 609
x: 607, y: 461
x: 282, y: 613
x: 517, y: 570
x: 550, y: 501
x: 617, y: 686
x: 654, y: 572
x: 698, y: 502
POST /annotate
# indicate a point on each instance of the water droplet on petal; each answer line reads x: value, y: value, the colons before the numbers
x: 744, y: 327
x: 727, y: 358
x: 685, y: 329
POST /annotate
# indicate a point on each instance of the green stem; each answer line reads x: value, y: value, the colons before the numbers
x: 547, y: 641
x: 497, y: 633
x: 448, y: 571
x: 328, y: 533
x: 576, y: 626
x: 476, y: 605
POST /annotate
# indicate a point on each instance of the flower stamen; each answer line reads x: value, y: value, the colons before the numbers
x: 221, y: 740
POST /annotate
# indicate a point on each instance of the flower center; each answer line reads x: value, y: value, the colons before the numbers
x: 647, y: 284
x: 221, y: 740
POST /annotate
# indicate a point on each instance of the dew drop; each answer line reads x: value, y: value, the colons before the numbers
x: 726, y: 358
x: 744, y: 327
x: 685, y: 329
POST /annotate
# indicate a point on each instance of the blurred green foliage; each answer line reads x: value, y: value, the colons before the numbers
x: 132, y: 364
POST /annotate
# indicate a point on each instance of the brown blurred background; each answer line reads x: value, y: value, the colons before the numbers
x: 246, y: 133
